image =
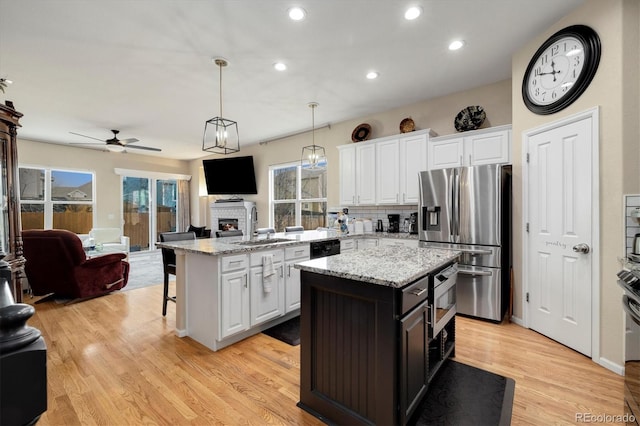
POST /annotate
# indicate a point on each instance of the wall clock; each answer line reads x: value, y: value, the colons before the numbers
x: 561, y: 69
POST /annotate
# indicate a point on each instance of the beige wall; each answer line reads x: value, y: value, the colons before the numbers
x: 436, y: 114
x: 616, y: 77
x: 108, y: 201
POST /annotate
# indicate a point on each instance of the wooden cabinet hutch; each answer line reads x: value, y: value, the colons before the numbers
x: 10, y: 228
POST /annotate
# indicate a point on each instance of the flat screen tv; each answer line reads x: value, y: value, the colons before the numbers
x: 230, y: 176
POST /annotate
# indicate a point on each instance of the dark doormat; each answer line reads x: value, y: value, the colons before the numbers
x: 465, y: 395
x: 288, y: 331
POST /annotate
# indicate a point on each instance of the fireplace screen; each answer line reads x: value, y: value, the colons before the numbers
x: 227, y: 224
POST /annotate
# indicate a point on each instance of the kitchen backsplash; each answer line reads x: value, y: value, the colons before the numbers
x: 375, y: 213
x: 632, y: 227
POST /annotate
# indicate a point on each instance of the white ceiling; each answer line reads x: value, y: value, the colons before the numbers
x: 144, y: 66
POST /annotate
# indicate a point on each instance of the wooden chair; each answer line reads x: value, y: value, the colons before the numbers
x: 169, y: 262
x: 266, y: 231
x: 293, y: 229
x: 233, y: 233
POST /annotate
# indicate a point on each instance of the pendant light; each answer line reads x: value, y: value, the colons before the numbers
x: 221, y: 134
x: 313, y: 155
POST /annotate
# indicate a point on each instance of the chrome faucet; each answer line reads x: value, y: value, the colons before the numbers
x: 254, y: 222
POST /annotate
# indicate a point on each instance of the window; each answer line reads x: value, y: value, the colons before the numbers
x: 297, y: 196
x: 56, y: 199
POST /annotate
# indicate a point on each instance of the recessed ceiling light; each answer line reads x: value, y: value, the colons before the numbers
x: 297, y: 13
x: 280, y: 66
x: 412, y: 13
x: 457, y: 44
x: 372, y: 75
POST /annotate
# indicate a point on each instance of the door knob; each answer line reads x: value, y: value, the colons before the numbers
x: 581, y: 248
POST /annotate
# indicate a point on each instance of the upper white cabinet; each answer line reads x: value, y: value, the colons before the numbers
x: 383, y: 171
x: 357, y: 174
x: 413, y: 160
x: 474, y: 148
x: 387, y: 172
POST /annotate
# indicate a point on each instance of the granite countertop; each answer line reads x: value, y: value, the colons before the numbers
x: 244, y: 244
x: 389, y: 266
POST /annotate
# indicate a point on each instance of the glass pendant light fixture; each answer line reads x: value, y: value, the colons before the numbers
x: 313, y: 155
x: 221, y: 134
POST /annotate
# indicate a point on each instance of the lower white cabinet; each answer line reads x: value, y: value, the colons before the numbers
x: 399, y: 242
x: 234, y: 295
x: 267, y: 298
x: 293, y: 255
x: 367, y: 242
x: 347, y: 245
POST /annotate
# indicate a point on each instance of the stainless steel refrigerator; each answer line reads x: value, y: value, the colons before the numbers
x: 469, y: 209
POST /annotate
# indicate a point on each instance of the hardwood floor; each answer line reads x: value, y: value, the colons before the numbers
x: 115, y: 360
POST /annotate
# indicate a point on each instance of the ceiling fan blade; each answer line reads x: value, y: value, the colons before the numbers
x: 86, y: 143
x: 85, y: 136
x: 148, y: 148
x: 130, y: 140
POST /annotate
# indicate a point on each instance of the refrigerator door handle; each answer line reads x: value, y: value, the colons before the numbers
x: 475, y: 252
x: 473, y: 273
x: 455, y: 201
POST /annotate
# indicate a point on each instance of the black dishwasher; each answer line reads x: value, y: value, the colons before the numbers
x: 325, y: 248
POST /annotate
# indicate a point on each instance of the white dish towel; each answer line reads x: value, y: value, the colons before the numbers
x: 268, y: 272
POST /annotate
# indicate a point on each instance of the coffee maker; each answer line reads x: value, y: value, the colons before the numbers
x: 394, y: 223
x: 413, y: 223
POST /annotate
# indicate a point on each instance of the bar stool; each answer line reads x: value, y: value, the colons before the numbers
x: 169, y: 262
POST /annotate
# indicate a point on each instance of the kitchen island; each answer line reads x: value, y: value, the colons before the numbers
x: 367, y: 332
x: 220, y: 296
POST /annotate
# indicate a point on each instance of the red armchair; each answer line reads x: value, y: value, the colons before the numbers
x: 56, y: 263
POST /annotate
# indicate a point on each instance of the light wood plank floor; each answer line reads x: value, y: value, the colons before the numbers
x: 114, y: 360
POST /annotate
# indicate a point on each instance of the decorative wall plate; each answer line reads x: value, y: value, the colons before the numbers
x: 361, y: 133
x: 470, y: 118
x: 407, y: 125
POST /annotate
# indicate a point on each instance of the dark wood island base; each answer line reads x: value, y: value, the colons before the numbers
x: 365, y: 348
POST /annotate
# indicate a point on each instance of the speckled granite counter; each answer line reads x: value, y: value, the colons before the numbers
x: 389, y: 266
x: 231, y: 245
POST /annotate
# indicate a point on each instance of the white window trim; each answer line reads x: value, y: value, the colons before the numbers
x: 48, y: 203
x: 298, y: 201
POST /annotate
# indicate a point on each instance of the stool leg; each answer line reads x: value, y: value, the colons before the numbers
x: 166, y: 294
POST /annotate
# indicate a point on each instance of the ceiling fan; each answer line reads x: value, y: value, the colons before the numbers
x: 114, y: 144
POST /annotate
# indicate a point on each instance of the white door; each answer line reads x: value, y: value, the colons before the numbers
x: 560, y: 233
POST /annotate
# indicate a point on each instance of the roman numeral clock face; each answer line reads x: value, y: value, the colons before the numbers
x: 561, y: 69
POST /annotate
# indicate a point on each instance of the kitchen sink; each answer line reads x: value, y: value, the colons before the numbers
x: 262, y: 241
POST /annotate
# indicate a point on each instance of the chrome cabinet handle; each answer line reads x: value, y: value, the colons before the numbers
x: 581, y: 248
x: 418, y: 291
x: 246, y: 280
x: 289, y: 270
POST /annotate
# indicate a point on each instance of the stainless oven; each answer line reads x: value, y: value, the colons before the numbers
x: 629, y: 280
x: 443, y: 300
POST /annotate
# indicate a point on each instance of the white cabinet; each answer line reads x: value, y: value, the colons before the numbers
x: 387, y: 172
x: 293, y: 255
x: 365, y: 174
x: 413, y: 159
x: 474, y: 148
x: 367, y: 242
x: 347, y: 156
x: 347, y: 245
x: 383, y: 171
x: 413, y: 243
x: 234, y: 295
x: 357, y: 174
x: 267, y: 297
